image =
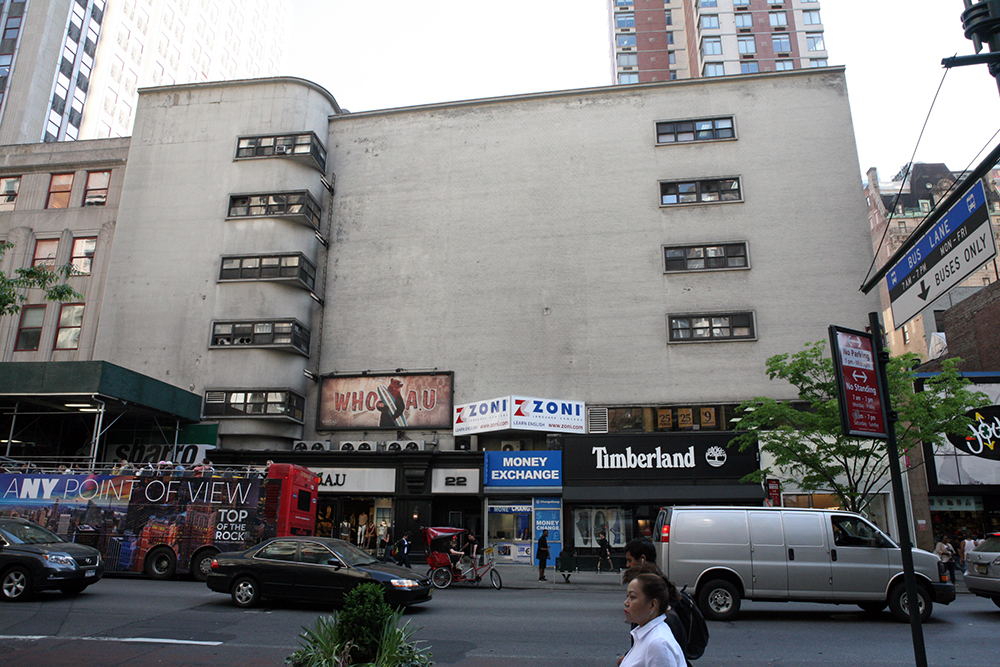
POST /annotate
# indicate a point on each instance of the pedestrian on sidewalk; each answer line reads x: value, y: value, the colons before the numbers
x: 542, y: 552
x: 947, y: 555
x: 604, y: 555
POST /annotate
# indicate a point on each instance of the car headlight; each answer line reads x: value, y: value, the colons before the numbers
x: 404, y: 583
x: 60, y: 560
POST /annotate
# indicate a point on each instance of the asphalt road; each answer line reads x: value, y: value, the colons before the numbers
x: 140, y: 623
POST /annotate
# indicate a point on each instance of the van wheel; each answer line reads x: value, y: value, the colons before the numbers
x: 719, y: 600
x: 873, y: 607
x: 899, y: 608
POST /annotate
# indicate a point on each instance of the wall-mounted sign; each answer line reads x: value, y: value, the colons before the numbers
x: 856, y: 370
x: 407, y: 400
x: 971, y: 459
x: 454, y: 480
x: 983, y: 436
x: 369, y: 481
x: 523, y: 413
x: 542, y: 468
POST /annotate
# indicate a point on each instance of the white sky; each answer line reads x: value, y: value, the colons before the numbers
x: 391, y: 53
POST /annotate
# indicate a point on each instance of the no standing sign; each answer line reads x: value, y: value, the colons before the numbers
x: 862, y: 406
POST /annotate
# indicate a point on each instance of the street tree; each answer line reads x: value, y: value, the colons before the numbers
x: 804, y: 437
x: 52, y: 281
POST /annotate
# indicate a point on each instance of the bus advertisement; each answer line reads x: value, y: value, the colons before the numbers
x: 166, y: 524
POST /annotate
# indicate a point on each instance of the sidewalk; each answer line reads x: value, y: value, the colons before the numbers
x: 526, y: 576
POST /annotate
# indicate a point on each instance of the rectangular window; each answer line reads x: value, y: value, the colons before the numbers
x: 623, y: 3
x: 306, y: 145
x: 778, y: 19
x: 705, y: 257
x: 45, y: 253
x: 668, y: 17
x: 781, y: 43
x: 8, y: 192
x: 711, y: 46
x: 70, y: 324
x: 708, y: 3
x: 670, y: 38
x: 814, y: 41
x: 290, y: 335
x: 82, y: 256
x: 751, y: 67
x: 746, y: 45
x: 741, y: 3
x: 707, y: 191
x: 625, y: 20
x: 811, y: 18
x: 262, y: 403
x: 96, y: 192
x: 628, y: 59
x: 744, y: 21
x: 299, y: 205
x: 714, y: 69
x: 701, y: 129
x: 624, y: 40
x: 628, y: 77
x: 710, y: 21
x: 817, y: 62
x: 783, y: 65
x: 711, y: 327
x: 287, y: 268
x: 29, y: 331
x: 672, y: 57
x: 59, y: 189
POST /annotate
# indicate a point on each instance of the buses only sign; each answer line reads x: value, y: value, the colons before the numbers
x: 862, y: 406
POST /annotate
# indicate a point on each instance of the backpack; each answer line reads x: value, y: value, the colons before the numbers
x: 397, y: 549
x: 694, y: 624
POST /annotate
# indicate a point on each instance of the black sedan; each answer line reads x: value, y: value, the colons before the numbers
x: 34, y: 559
x: 313, y: 569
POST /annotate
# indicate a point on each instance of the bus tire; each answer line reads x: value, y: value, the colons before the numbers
x: 161, y: 563
x: 201, y: 564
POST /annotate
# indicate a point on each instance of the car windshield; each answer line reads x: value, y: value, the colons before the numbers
x: 351, y: 555
x: 990, y: 545
x: 26, y: 533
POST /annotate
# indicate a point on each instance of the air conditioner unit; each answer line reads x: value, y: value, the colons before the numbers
x: 407, y: 446
x: 365, y: 446
x: 597, y: 420
x: 463, y: 446
x: 511, y: 445
x: 356, y: 446
x: 280, y: 150
x: 310, y: 445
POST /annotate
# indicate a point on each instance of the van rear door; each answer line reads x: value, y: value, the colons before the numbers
x: 767, y: 555
x: 807, y: 554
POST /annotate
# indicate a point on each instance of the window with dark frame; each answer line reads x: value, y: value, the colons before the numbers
x: 60, y: 186
x: 286, y: 334
x: 714, y: 257
x: 269, y: 267
x: 297, y: 204
x: 82, y: 256
x: 29, y: 330
x: 705, y: 191
x: 70, y: 325
x: 255, y: 403
x: 305, y: 144
x: 96, y: 192
x: 9, y: 185
x: 711, y: 327
x: 45, y: 253
x: 698, y: 129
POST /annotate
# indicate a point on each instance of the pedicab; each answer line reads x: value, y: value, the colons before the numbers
x: 442, y: 572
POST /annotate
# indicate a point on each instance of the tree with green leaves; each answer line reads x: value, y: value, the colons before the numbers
x: 52, y: 281
x: 804, y: 437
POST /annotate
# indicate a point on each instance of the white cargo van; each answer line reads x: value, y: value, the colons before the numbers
x: 727, y: 554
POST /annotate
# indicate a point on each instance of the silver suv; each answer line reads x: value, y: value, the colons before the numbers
x: 982, y: 574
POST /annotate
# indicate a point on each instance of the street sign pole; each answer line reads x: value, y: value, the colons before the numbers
x: 909, y: 579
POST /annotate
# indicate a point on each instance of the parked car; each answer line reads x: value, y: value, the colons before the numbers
x: 727, y: 554
x: 34, y: 559
x: 311, y: 569
x: 982, y: 569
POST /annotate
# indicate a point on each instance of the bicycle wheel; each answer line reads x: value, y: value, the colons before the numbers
x: 441, y: 577
x: 495, y: 579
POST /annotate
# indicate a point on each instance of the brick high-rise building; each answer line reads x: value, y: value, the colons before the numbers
x: 662, y: 40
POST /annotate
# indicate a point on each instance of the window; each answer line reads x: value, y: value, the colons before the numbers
x: 706, y: 191
x: 711, y: 46
x: 623, y: 3
x: 744, y: 20
x: 286, y: 268
x: 906, y: 334
x: 778, y: 19
x: 628, y: 77
x: 711, y: 327
x: 705, y: 257
x: 306, y: 145
x: 672, y: 57
x: 8, y: 192
x: 668, y: 17
x: 300, y: 205
x: 29, y: 331
x: 260, y: 403
x: 710, y: 21
x: 817, y: 62
x: 624, y: 40
x: 96, y: 193
x: 45, y: 253
x: 708, y: 3
x: 287, y: 334
x: 925, y: 205
x: 625, y: 20
x: 70, y: 323
x: 702, y: 129
x: 628, y: 59
x: 783, y: 65
x: 714, y: 69
x: 751, y: 67
x: 741, y: 3
x: 82, y: 256
x: 747, y: 44
x: 781, y: 43
x: 670, y: 38
x: 814, y: 41
x: 59, y: 189
x: 282, y: 550
x: 811, y: 18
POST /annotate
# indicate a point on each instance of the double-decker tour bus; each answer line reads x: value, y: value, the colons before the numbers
x: 163, y: 524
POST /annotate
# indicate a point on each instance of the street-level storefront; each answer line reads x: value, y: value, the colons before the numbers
x: 522, y: 498
x: 354, y: 502
x: 457, y: 498
x: 615, y: 484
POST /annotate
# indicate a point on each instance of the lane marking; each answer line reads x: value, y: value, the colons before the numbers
x: 126, y: 640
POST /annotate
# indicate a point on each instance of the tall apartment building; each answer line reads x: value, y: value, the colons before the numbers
x: 71, y: 69
x: 662, y: 40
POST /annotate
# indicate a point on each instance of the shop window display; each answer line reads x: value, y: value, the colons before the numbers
x: 589, y: 522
